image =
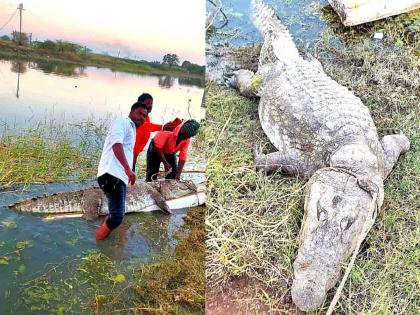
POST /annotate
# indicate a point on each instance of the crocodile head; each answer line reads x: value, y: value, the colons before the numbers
x: 337, y: 205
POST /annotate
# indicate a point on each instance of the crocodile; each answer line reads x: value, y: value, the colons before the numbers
x: 142, y: 197
x: 322, y: 131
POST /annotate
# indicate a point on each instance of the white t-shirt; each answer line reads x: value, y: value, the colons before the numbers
x: 123, y: 130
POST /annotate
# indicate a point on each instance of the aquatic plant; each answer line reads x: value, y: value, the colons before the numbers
x: 93, y: 283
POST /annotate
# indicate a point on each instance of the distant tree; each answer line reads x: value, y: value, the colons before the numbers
x: 186, y: 64
x: 170, y: 60
x: 193, y: 68
x: 196, y: 69
x: 37, y: 44
x: 63, y: 46
x: 49, y: 45
x: 24, y: 39
x: 5, y: 37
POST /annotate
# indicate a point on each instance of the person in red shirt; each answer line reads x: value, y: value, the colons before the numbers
x: 143, y: 132
x: 163, y: 147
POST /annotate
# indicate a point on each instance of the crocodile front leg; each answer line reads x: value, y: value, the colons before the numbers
x: 292, y: 163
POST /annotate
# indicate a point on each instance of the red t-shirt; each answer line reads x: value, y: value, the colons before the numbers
x: 143, y: 135
x: 166, y: 141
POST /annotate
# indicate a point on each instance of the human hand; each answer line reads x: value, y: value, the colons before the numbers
x: 131, y: 176
x: 167, y: 166
x: 178, y: 176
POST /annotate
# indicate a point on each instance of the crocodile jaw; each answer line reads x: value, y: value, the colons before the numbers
x: 336, y: 209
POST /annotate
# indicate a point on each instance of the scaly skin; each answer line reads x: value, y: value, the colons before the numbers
x: 322, y: 131
x: 92, y: 201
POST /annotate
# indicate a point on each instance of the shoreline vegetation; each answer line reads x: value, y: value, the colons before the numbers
x: 80, y: 57
x: 52, y: 152
x: 253, y: 219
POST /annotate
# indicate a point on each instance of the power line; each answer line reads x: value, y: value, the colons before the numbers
x: 11, y: 17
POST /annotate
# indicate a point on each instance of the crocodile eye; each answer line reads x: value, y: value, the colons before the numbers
x: 321, y: 213
x: 336, y: 200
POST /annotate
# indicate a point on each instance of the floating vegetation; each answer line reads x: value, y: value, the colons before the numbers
x: 5, y: 260
x: 93, y: 283
x: 21, y: 245
x: 9, y: 224
x: 14, y: 254
x: 21, y: 269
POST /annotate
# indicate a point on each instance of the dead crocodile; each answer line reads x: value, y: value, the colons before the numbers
x: 142, y: 197
x: 323, y: 132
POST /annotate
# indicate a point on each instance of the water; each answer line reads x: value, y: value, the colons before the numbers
x: 302, y: 17
x: 30, y: 246
x: 307, y: 21
x: 33, y: 92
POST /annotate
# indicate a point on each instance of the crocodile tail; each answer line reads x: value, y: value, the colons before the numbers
x: 61, y: 202
x: 267, y: 22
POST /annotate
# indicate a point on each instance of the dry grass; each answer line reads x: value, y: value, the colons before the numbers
x: 253, y: 219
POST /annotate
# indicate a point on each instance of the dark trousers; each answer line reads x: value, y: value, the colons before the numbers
x: 115, y: 191
x: 153, y: 164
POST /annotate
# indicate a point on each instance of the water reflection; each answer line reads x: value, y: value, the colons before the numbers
x: 166, y: 81
x: 45, y: 91
x: 191, y: 81
x: 64, y: 69
x: 18, y: 66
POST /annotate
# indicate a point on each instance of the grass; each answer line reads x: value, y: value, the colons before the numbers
x: 51, y: 151
x: 253, y: 219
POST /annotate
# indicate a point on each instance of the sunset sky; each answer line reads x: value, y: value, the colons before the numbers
x: 146, y: 29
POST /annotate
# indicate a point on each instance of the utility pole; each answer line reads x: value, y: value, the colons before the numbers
x: 30, y: 39
x: 20, y: 8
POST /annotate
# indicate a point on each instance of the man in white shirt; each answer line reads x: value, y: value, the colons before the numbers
x: 116, y: 164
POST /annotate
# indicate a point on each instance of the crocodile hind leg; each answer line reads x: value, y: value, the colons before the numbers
x: 292, y: 163
x: 158, y: 198
x: 394, y: 146
x: 92, y: 199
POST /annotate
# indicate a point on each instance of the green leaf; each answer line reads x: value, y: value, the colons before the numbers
x: 119, y: 278
x: 23, y: 244
x: 399, y: 43
x: 21, y: 269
